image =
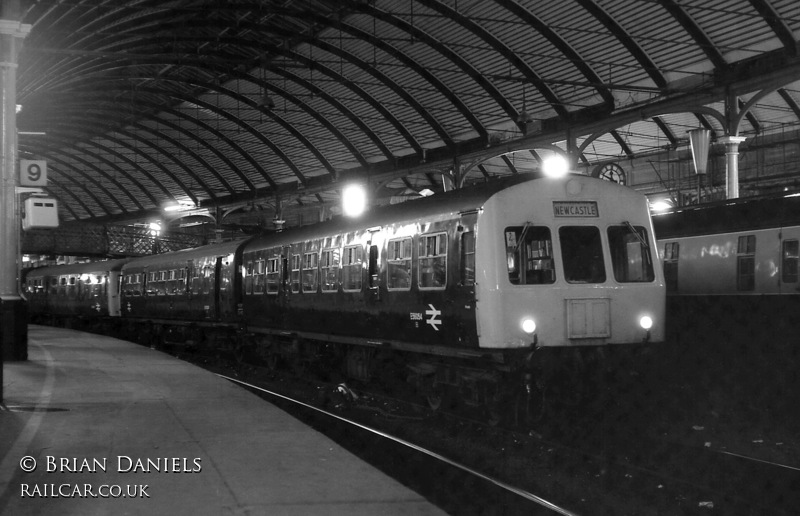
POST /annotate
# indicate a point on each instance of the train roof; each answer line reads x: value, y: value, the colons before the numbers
x: 728, y: 216
x: 79, y: 268
x: 221, y: 249
x: 463, y: 199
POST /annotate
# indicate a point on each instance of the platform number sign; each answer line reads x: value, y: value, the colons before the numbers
x: 32, y: 172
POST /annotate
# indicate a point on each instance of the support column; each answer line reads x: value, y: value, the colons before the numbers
x: 732, y: 164
x: 13, y: 311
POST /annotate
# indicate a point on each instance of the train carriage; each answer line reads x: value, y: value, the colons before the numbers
x: 174, y: 294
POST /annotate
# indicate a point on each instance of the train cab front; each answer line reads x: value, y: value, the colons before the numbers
x: 575, y: 266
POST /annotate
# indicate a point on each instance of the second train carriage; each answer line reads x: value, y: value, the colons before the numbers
x: 177, y: 294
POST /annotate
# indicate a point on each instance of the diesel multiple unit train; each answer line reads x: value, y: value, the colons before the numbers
x: 482, y: 291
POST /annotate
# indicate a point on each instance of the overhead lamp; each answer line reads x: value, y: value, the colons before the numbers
x: 555, y: 166
x: 354, y: 200
x: 660, y: 205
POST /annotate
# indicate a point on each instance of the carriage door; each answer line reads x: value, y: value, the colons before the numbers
x: 284, y: 292
x: 790, y: 258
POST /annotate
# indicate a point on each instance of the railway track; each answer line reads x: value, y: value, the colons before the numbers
x: 487, y: 495
x: 470, y: 467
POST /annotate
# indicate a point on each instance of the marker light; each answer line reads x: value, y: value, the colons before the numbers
x: 528, y: 326
x: 555, y: 166
x: 354, y: 200
x: 646, y: 322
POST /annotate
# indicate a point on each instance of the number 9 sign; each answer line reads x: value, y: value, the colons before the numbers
x: 32, y: 173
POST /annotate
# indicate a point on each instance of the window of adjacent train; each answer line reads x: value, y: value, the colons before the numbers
x: 296, y: 260
x: 398, y: 264
x: 746, y: 263
x: 582, y: 254
x: 790, y: 261
x: 310, y: 261
x: 432, y: 261
x: 273, y: 274
x: 352, y: 260
x: 468, y: 258
x: 630, y: 254
x: 671, y: 254
x: 529, y: 255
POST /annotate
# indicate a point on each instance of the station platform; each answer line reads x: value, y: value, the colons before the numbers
x: 93, y: 425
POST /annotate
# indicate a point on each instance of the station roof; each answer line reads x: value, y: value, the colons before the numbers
x: 225, y: 105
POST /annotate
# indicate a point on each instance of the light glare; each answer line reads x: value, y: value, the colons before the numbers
x: 528, y: 326
x: 555, y: 166
x: 354, y: 200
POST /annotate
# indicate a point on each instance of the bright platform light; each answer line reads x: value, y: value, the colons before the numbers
x: 646, y: 322
x: 354, y: 200
x: 555, y: 166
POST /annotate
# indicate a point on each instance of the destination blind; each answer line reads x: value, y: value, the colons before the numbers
x: 575, y: 209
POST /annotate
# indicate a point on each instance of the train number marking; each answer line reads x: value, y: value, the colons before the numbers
x: 434, y: 314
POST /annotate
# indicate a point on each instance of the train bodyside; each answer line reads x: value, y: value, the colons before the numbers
x: 83, y: 290
x: 740, y: 249
x: 398, y: 279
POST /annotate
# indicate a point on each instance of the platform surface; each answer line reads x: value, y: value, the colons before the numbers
x: 110, y: 427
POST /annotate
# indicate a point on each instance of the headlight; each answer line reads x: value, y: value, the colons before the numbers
x: 528, y: 325
x: 646, y: 322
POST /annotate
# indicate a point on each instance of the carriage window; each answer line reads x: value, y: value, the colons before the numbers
x: 582, y: 253
x: 529, y: 255
x: 432, y: 261
x: 351, y: 267
x: 630, y: 254
x: 746, y: 263
x: 468, y: 258
x: 790, y: 261
x: 296, y: 273
x: 671, y: 252
x: 398, y: 264
x: 329, y: 270
x: 273, y: 266
x: 310, y: 261
x: 258, y: 277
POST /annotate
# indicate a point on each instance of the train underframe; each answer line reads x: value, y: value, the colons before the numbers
x: 514, y: 386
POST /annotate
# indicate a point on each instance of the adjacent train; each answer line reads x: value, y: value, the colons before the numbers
x: 731, y: 262
x: 482, y: 292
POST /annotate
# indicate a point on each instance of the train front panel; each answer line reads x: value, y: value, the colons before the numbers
x: 567, y: 262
